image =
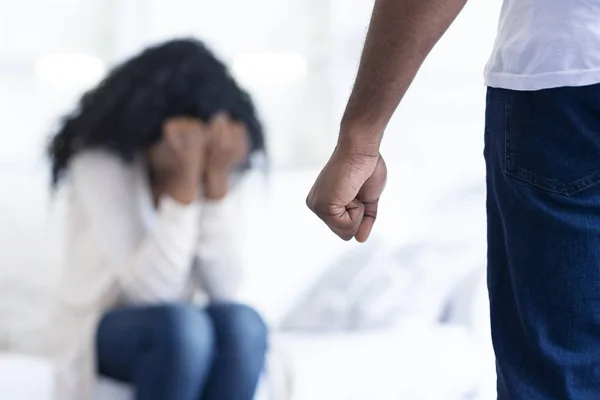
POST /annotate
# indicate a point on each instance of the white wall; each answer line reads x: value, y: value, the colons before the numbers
x: 298, y: 58
x: 278, y: 50
x: 29, y: 30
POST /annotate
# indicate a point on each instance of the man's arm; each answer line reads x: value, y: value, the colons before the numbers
x: 401, y: 35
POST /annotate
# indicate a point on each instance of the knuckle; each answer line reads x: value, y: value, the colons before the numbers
x: 322, y: 209
x: 345, y: 233
x: 308, y: 203
x: 371, y: 214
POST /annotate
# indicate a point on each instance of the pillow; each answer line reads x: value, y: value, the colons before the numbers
x: 380, y: 284
x: 328, y: 304
x: 24, y: 313
x: 25, y: 378
x: 377, y: 287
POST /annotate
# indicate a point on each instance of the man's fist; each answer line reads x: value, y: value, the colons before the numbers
x: 346, y: 194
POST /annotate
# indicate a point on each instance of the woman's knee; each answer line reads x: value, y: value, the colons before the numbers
x: 240, y: 323
x: 185, y: 332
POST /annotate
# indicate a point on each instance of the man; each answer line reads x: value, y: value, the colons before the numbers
x: 543, y: 172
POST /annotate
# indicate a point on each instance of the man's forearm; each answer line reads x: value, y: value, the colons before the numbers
x: 401, y: 35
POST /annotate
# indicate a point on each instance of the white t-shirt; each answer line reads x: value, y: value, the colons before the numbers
x: 546, y: 43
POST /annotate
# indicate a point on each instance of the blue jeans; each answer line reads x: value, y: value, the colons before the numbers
x: 180, y: 352
x: 543, y: 203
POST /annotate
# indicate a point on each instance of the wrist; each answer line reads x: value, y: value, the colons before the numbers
x: 184, y: 188
x: 360, y: 141
x: 216, y: 185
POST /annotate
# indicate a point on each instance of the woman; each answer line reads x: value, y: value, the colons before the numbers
x: 151, y: 154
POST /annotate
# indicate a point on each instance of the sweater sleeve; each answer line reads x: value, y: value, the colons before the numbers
x: 150, y: 265
x: 220, y: 246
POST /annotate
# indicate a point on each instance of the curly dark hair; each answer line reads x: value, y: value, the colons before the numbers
x: 124, y: 114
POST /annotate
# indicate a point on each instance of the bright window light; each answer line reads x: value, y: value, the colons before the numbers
x: 270, y: 67
x: 69, y: 70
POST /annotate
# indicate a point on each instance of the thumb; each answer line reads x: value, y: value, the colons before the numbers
x: 367, y: 222
x: 348, y: 221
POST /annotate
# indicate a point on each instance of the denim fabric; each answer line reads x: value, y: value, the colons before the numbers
x: 180, y: 352
x: 542, y: 151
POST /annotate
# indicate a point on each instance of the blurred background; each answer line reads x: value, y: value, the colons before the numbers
x: 401, y: 317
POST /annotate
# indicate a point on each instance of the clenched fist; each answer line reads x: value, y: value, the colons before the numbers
x: 346, y: 193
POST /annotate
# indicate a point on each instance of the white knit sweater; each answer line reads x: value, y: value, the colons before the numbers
x: 121, y: 250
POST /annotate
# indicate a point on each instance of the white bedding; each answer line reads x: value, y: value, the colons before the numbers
x: 408, y: 362
x: 413, y: 362
x: 25, y: 378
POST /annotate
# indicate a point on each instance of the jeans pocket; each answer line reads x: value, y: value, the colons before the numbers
x: 552, y: 138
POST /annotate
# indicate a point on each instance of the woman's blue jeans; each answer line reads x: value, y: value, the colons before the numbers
x: 542, y: 153
x: 181, y: 352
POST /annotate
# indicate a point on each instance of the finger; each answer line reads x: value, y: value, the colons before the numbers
x: 194, y: 123
x: 210, y: 135
x: 193, y: 136
x: 369, y: 194
x: 337, y: 218
x: 243, y: 139
x: 221, y: 137
x: 218, y: 121
x: 228, y: 135
x: 220, y: 129
x: 368, y: 220
x: 212, y: 139
x: 202, y: 127
x: 174, y: 139
x: 172, y: 124
x: 345, y: 221
x: 237, y: 132
x: 212, y: 128
x: 236, y: 144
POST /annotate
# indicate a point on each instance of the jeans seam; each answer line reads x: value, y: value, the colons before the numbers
x: 570, y: 189
x: 531, y: 178
x: 507, y: 143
